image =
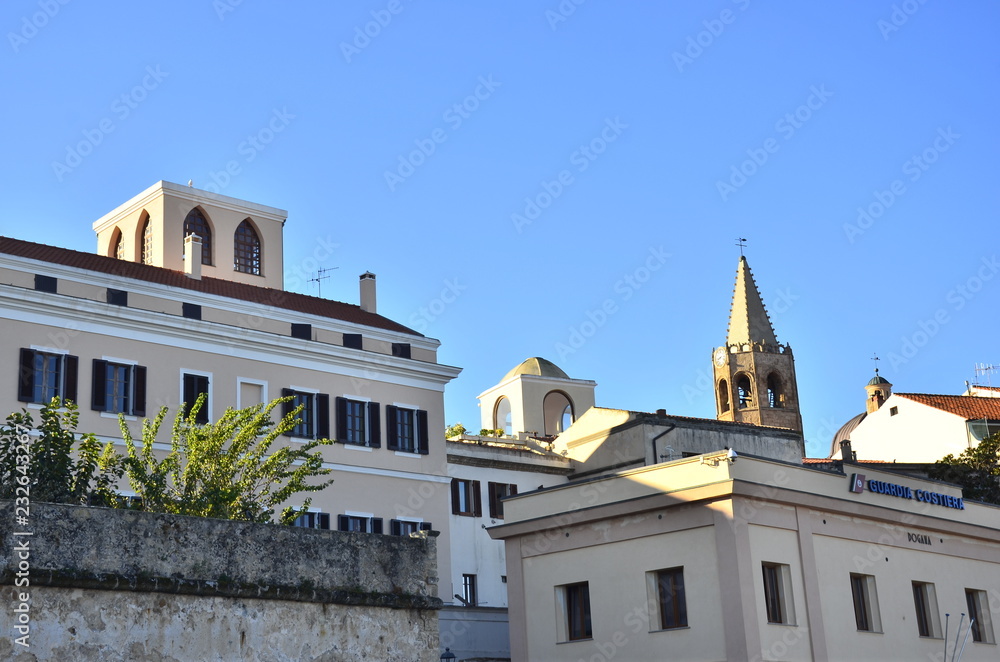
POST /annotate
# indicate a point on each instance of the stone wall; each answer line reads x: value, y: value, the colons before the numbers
x: 120, y: 585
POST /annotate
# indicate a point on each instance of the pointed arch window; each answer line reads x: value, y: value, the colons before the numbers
x: 118, y: 245
x: 723, y: 395
x: 195, y: 223
x: 247, y: 256
x: 743, y: 392
x: 775, y: 396
x: 147, y: 242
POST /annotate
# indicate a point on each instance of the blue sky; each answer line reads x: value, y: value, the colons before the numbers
x: 558, y: 179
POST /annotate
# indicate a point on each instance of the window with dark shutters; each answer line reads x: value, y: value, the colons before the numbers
x: 46, y: 375
x: 194, y: 386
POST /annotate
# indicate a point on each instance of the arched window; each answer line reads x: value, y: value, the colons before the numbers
x: 117, y: 245
x: 502, y: 417
x: 195, y: 223
x: 147, y: 242
x: 743, y: 392
x: 723, y: 395
x: 558, y: 412
x: 247, y: 254
x: 775, y: 397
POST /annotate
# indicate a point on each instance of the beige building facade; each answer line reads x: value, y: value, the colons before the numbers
x: 706, y: 558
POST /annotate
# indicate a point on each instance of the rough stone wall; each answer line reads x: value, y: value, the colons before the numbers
x: 119, y: 585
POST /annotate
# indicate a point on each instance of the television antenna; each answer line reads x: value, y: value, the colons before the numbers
x: 985, y: 369
x: 320, y: 277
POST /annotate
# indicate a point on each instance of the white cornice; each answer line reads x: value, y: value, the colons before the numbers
x: 229, y: 304
x: 85, y: 315
x: 196, y: 196
x: 552, y: 381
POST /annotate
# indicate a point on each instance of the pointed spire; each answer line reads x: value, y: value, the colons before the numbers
x: 748, y: 319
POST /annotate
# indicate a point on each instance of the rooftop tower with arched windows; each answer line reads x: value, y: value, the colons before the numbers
x: 754, y: 373
x: 536, y: 398
x: 240, y: 240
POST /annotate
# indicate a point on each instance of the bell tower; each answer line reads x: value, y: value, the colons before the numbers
x: 754, y: 373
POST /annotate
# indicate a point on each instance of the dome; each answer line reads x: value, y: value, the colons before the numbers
x: 878, y: 380
x: 844, y: 433
x: 537, y: 366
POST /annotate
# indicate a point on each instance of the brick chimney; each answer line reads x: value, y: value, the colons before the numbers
x: 192, y: 256
x: 368, y: 292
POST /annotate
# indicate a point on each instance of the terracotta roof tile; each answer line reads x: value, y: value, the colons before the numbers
x: 301, y: 303
x: 968, y: 407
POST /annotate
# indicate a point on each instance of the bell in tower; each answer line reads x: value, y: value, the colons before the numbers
x: 754, y: 373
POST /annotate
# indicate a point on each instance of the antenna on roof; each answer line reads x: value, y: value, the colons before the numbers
x: 320, y: 278
x: 985, y: 369
x: 741, y: 242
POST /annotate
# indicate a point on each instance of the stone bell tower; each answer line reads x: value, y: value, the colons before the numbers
x: 754, y: 373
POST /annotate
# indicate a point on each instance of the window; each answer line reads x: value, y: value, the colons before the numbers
x: 352, y: 340
x: 302, y: 331
x: 192, y: 387
x: 118, y: 245
x: 667, y: 601
x: 502, y: 417
x: 401, y: 350
x: 147, y: 242
x: 469, y: 596
x: 573, y: 611
x: 314, y: 419
x: 313, y: 521
x: 925, y: 603
x: 405, y: 527
x: 407, y: 429
x: 744, y: 395
x: 247, y: 253
x: 893, y: 411
x: 497, y: 491
x: 46, y: 284
x: 778, y: 594
x: 358, y: 422
x: 723, y: 395
x: 117, y: 297
x: 195, y: 223
x: 866, y: 613
x: 979, y: 615
x: 775, y: 397
x: 118, y: 388
x: 191, y: 311
x: 360, y: 523
x: 465, y: 498
x: 46, y: 375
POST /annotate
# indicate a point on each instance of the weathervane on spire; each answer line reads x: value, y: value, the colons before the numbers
x: 741, y: 242
x: 876, y: 359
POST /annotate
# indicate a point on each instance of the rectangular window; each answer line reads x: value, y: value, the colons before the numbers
x: 401, y: 350
x: 866, y: 612
x: 469, y: 596
x: 193, y: 386
x: 117, y: 297
x: 313, y: 521
x: 925, y: 603
x: 979, y: 615
x: 404, y: 527
x: 407, y: 429
x: 778, y: 593
x: 314, y: 419
x: 497, y: 491
x: 465, y: 498
x: 573, y: 607
x: 667, y: 600
x: 191, y: 311
x: 360, y: 523
x: 302, y: 331
x: 352, y: 340
x: 45, y: 375
x: 46, y: 283
x: 358, y: 422
x: 118, y: 388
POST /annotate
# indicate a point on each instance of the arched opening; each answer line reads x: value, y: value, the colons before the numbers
x: 558, y: 412
x: 502, y: 417
x: 723, y: 395
x: 197, y: 223
x: 775, y: 395
x: 117, y: 247
x: 147, y: 239
x: 247, y: 252
x: 744, y: 394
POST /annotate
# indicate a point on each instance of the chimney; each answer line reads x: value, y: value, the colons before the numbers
x: 368, y: 292
x: 192, y: 256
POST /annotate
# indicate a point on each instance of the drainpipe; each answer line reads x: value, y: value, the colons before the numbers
x: 662, y: 434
